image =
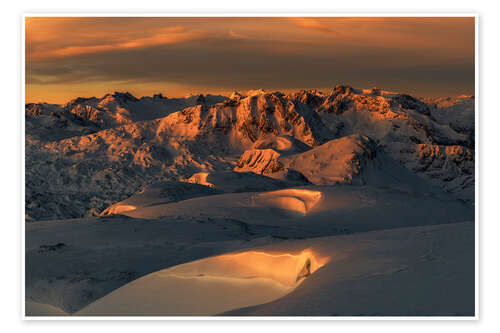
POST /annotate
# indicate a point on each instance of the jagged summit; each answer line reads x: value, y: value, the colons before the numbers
x: 159, y: 96
x: 236, y: 96
x: 84, y: 100
x: 255, y: 92
x: 122, y: 96
x: 250, y: 119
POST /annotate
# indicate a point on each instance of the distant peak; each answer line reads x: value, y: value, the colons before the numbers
x: 200, y: 99
x: 124, y: 96
x: 159, y: 96
x: 256, y: 92
x: 81, y: 100
x: 376, y: 91
x: 236, y: 95
x: 466, y: 96
x: 343, y: 89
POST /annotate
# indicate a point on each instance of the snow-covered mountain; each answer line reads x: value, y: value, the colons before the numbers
x: 87, y: 115
x: 85, y: 155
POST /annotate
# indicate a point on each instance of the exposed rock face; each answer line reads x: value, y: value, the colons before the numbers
x: 401, y: 123
x: 457, y: 113
x: 452, y: 167
x: 259, y: 161
x: 251, y: 119
x: 408, y: 102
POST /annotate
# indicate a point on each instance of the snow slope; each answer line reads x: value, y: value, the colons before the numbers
x: 159, y: 193
x: 337, y: 161
x: 342, y: 207
x: 210, y: 286
x: 424, y: 271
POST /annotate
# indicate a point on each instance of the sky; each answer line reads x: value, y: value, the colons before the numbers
x: 69, y: 57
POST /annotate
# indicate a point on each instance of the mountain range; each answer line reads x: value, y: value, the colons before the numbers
x: 90, y: 153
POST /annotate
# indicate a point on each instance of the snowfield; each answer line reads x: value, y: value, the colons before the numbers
x: 427, y: 270
x: 342, y: 203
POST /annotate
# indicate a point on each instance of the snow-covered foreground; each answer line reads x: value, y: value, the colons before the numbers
x: 422, y: 271
x: 73, y: 263
x: 427, y: 270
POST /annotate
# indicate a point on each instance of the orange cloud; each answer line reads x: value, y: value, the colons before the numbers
x: 55, y: 38
x: 451, y: 35
x: 162, y: 38
x: 311, y: 23
x: 236, y: 35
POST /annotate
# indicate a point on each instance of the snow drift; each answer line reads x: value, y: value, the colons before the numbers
x: 211, y: 286
x: 295, y: 200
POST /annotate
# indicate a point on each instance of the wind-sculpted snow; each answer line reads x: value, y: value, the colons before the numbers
x: 282, y: 144
x: 159, y: 193
x: 293, y: 200
x: 84, y: 156
x: 211, y: 286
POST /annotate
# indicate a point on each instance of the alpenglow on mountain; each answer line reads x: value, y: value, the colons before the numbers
x: 87, y: 155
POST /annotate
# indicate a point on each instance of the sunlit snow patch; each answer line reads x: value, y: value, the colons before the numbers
x: 200, y: 178
x: 117, y: 209
x: 295, y: 200
x: 211, y: 286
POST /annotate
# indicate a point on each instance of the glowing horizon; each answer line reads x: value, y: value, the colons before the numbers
x: 69, y: 57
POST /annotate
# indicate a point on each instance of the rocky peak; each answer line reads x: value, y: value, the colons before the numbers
x: 124, y: 96
x: 236, y: 96
x: 408, y: 102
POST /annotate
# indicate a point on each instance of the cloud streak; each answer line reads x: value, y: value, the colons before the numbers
x: 162, y: 36
x: 314, y: 24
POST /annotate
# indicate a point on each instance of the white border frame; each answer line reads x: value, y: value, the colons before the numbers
x: 246, y: 14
